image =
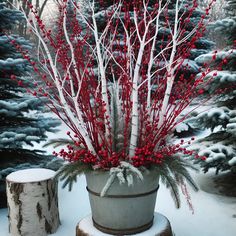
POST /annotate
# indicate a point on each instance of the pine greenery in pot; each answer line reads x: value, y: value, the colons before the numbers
x: 114, y: 73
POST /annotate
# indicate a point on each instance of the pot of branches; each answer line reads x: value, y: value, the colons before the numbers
x: 114, y: 74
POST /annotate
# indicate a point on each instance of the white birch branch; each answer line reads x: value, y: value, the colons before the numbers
x: 56, y: 80
x: 170, y: 70
x: 151, y: 60
x: 135, y: 113
x: 102, y: 71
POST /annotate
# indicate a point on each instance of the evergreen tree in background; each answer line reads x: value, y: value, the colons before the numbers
x: 20, y: 122
x: 189, y: 68
x: 219, y: 146
x: 202, y: 45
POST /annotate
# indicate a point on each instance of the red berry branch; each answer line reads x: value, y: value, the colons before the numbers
x: 117, y: 82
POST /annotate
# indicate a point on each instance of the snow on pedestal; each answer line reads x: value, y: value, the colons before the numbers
x: 32, y: 202
x: 161, y: 227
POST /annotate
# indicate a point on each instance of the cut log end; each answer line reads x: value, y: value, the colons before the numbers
x: 32, y: 202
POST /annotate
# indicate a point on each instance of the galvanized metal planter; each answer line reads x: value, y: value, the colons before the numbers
x: 124, y: 210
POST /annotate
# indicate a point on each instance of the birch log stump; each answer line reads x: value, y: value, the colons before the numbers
x: 32, y: 202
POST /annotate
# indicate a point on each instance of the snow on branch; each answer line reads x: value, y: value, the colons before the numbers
x: 117, y: 67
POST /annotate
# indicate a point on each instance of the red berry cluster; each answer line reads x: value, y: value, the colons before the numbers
x: 104, y: 160
x: 81, y: 155
x: 80, y: 96
x: 145, y: 156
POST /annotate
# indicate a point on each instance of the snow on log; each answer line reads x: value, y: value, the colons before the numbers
x: 161, y: 227
x: 32, y: 202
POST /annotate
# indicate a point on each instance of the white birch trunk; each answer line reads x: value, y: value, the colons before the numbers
x: 32, y: 202
x: 170, y: 69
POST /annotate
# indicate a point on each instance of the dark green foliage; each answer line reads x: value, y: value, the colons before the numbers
x: 173, y: 172
x: 8, y: 17
x: 219, y: 146
x: 219, y: 150
x: 20, y: 122
x: 69, y: 173
x: 59, y: 142
x: 12, y: 159
x: 17, y: 126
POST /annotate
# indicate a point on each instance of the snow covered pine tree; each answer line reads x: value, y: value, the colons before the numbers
x: 17, y: 127
x: 219, y: 145
x: 202, y: 45
x: 190, y: 68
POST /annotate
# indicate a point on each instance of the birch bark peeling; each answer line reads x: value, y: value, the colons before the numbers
x: 32, y: 202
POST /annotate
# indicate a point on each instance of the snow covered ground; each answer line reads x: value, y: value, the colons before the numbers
x: 214, y: 215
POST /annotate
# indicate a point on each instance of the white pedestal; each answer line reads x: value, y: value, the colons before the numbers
x: 161, y: 227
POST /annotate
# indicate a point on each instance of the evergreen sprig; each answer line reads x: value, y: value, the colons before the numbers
x: 69, y: 173
x: 173, y: 171
x: 59, y: 142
